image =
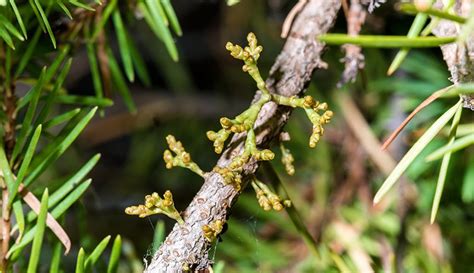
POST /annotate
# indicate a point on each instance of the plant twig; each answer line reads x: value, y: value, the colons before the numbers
x: 458, y: 56
x: 186, y: 246
x: 354, y: 59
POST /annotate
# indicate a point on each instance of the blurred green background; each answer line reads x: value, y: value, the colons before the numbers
x: 334, y: 183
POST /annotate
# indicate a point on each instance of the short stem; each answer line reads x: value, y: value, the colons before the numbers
x: 195, y: 169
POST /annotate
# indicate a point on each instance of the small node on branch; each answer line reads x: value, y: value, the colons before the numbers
x: 312, y: 109
x: 154, y: 204
x: 182, y: 158
x: 251, y: 150
x: 211, y: 231
x: 232, y: 177
x: 218, y: 138
x: 318, y: 122
x: 249, y: 55
x: 246, y: 120
x: 267, y: 199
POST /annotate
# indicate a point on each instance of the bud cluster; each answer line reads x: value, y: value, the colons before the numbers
x: 154, y: 204
x: 182, y: 158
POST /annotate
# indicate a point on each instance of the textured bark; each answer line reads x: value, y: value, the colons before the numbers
x: 458, y: 57
x: 185, y: 247
x: 354, y: 59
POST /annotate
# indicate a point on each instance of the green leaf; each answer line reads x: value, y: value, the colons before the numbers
x: 56, y: 213
x: 65, y: 9
x: 444, y: 165
x: 25, y: 164
x: 74, y: 180
x: 38, y: 238
x: 19, y: 218
x: 429, y: 28
x: 157, y: 12
x: 94, y: 66
x: 414, y: 151
x: 172, y: 17
x: 104, y: 18
x: 83, y: 100
x: 30, y: 112
x: 115, y: 255
x: 5, y: 168
x: 121, y: 33
x: 18, y: 17
x: 157, y: 25
x: 95, y: 255
x: 26, y: 56
x: 381, y: 41
x: 157, y: 5
x: 414, y: 31
x: 6, y: 37
x: 59, y: 145
x: 50, y: 98
x: 11, y: 28
x: 70, y: 199
x: 120, y: 83
x: 38, y: 16
x: 80, y: 261
x: 55, y: 259
x: 81, y: 5
x: 61, y: 118
x: 410, y: 8
x: 69, y: 185
x: 53, y: 68
x: 49, y: 74
x: 465, y: 129
x: 29, y: 154
x: 458, y: 89
x: 35, y: 4
x: 138, y: 63
x: 457, y: 145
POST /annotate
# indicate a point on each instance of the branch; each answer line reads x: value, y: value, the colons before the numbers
x: 186, y: 247
x: 458, y: 56
x: 354, y: 59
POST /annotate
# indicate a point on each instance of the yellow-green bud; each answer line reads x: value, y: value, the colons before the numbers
x: 226, y: 122
x: 264, y: 155
x: 211, y: 135
x: 309, y: 102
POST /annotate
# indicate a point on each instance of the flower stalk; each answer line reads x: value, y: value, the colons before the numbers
x: 246, y: 120
x: 267, y: 199
x: 182, y: 158
x: 154, y: 204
